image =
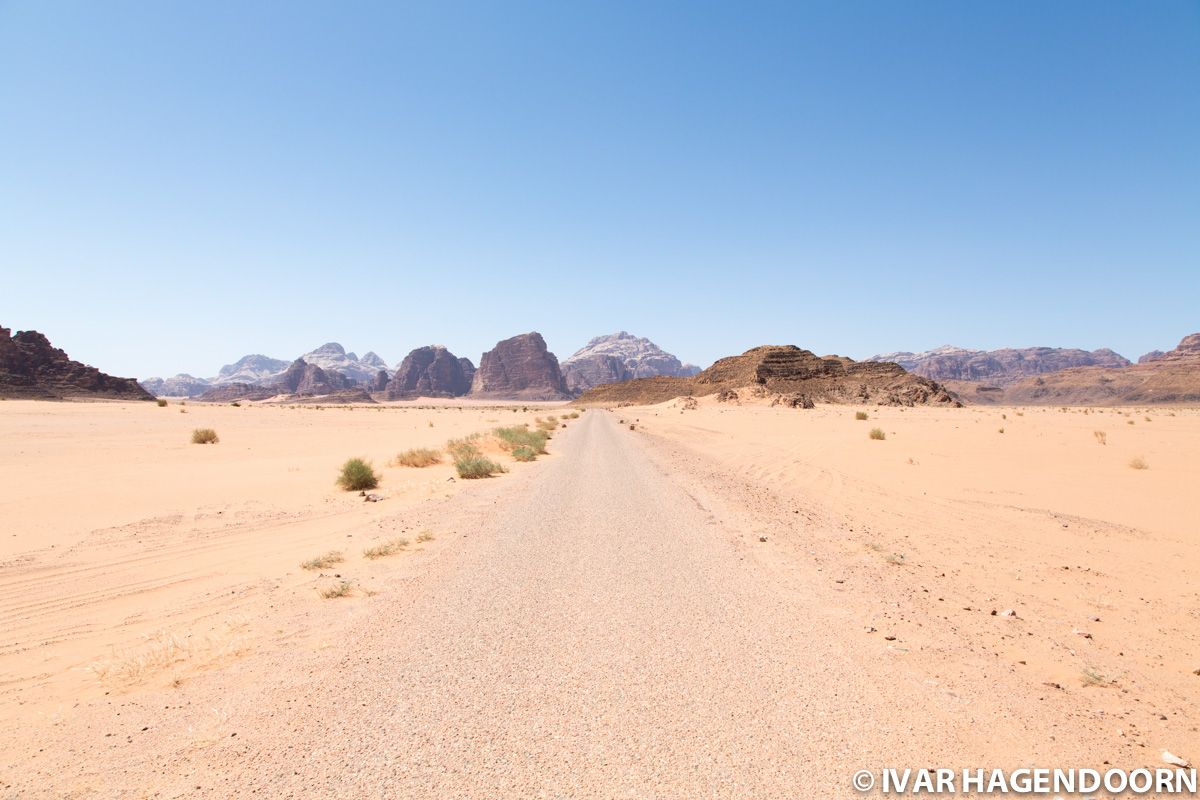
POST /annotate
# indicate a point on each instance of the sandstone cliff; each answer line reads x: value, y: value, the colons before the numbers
x: 520, y: 368
x: 431, y: 371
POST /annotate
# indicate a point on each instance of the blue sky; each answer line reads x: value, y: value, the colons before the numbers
x: 186, y: 183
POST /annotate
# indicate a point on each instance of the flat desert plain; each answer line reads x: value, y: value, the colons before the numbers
x: 718, y: 601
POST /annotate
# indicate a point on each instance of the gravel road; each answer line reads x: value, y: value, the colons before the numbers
x: 596, y: 636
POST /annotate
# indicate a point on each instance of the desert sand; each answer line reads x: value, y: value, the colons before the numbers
x: 727, y: 600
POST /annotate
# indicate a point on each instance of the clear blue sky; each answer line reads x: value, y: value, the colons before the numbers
x: 183, y: 183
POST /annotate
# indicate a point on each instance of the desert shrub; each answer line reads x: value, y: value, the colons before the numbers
x: 860, y: 415
x: 546, y: 424
x: 877, y: 433
x: 161, y: 403
x: 476, y: 466
x: 460, y: 449
x: 1139, y: 463
x: 325, y: 561
x: 418, y: 457
x: 524, y: 453
x: 236, y: 404
x: 520, y: 436
x: 1101, y: 437
x: 204, y: 436
x: 1001, y: 430
x: 425, y: 536
x: 357, y: 475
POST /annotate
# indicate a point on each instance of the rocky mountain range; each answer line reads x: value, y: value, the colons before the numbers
x: 620, y: 357
x: 998, y: 367
x: 30, y: 367
x: 1158, y: 377
x: 788, y: 375
x: 266, y: 372
x: 431, y: 371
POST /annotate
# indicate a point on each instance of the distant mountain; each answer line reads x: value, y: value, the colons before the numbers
x: 264, y: 371
x: 620, y: 357
x: 786, y: 374
x: 332, y: 357
x: 998, y: 367
x: 520, y: 368
x: 1171, y: 377
x: 181, y: 385
x: 30, y: 367
x: 251, y: 369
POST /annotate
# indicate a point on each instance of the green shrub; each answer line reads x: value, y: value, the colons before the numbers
x: 418, y: 457
x: 877, y: 433
x: 521, y: 436
x: 357, y: 475
x: 236, y: 404
x: 204, y: 436
x: 473, y: 467
x: 161, y: 403
x: 524, y: 453
x: 860, y: 415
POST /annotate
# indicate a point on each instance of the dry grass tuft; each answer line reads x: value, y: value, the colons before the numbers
x: 418, y: 457
x: 860, y: 415
x: 386, y: 549
x: 425, y: 536
x: 1101, y: 437
x: 325, y: 561
x: 1138, y: 463
x: 161, y: 403
x: 204, y: 436
x: 340, y: 589
x: 878, y: 434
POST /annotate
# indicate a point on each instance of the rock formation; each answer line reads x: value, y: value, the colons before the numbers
x: 1170, y: 377
x: 620, y: 357
x: 520, y: 368
x: 795, y: 377
x: 229, y: 392
x: 30, y: 367
x: 302, y: 378
x: 431, y: 371
x: 999, y: 367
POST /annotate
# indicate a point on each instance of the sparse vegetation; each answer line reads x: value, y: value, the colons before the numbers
x: 1001, y: 430
x: 425, y: 536
x: 546, y: 424
x: 860, y: 415
x: 524, y: 453
x: 204, y: 436
x: 1101, y: 437
x: 357, y: 475
x: 877, y: 433
x: 1138, y: 463
x: 1094, y: 677
x: 324, y: 562
x: 475, y: 467
x: 236, y: 404
x: 386, y: 549
x: 521, y: 436
x: 340, y: 589
x: 418, y: 457
x: 161, y: 403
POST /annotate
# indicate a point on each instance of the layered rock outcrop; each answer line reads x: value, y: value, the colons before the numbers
x: 431, y: 371
x: 620, y: 357
x: 520, y: 368
x: 302, y: 378
x: 797, y: 375
x: 30, y: 367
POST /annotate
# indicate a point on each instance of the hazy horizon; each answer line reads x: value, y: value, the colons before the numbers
x: 187, y: 185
